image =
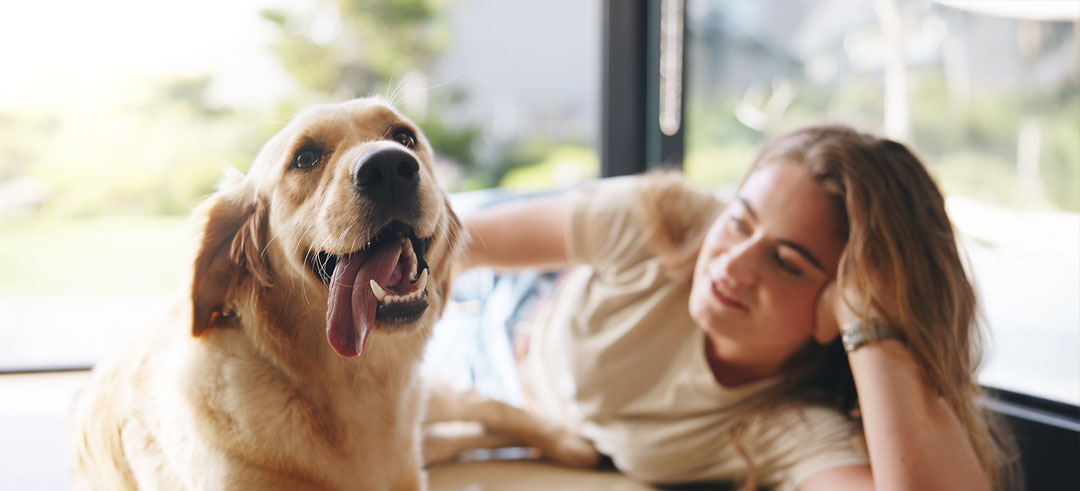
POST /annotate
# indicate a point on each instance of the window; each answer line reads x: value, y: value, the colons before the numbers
x: 987, y: 93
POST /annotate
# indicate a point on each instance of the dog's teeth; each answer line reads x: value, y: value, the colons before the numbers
x: 421, y: 284
x: 411, y: 255
x: 380, y: 294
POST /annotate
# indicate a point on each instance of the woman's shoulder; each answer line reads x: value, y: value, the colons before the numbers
x: 653, y: 215
x: 674, y: 194
x: 674, y: 215
x: 669, y: 189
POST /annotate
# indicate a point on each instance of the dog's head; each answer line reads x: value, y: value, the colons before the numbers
x: 341, y: 207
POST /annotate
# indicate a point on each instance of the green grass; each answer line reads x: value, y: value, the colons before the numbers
x: 96, y: 257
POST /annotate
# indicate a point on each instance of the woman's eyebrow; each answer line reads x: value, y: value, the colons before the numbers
x: 804, y: 252
x: 749, y: 209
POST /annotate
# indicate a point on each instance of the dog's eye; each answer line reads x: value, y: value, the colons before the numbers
x: 306, y: 158
x: 405, y: 137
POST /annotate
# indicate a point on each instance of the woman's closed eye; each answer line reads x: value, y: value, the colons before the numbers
x: 739, y: 225
x: 787, y: 265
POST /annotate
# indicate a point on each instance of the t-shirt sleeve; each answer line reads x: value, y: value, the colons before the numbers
x: 820, y: 439
x: 603, y: 231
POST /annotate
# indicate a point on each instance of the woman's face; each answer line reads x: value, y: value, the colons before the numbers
x: 764, y: 262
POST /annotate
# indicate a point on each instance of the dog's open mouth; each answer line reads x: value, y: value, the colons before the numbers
x: 386, y: 281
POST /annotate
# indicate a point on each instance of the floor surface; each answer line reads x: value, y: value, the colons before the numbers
x: 33, y: 418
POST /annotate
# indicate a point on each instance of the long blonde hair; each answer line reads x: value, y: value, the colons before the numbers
x: 893, y: 219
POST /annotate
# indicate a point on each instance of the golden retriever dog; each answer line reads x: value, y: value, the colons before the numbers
x: 292, y: 360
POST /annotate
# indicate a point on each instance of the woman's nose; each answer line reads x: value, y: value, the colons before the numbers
x: 739, y: 263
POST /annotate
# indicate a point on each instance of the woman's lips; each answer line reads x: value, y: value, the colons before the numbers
x: 726, y: 296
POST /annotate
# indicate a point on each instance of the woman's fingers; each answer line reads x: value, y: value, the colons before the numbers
x: 826, y: 322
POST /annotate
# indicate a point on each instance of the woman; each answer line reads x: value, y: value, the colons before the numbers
x: 701, y: 342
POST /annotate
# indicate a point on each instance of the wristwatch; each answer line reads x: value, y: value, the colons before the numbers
x: 860, y: 332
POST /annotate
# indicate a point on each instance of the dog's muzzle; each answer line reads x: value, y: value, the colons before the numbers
x: 389, y: 177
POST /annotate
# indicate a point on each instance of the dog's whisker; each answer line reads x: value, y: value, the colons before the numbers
x: 386, y: 94
x: 323, y: 265
x: 345, y: 232
x: 301, y: 239
x: 397, y: 91
x: 303, y: 286
x: 262, y: 253
x: 440, y: 84
x: 303, y: 291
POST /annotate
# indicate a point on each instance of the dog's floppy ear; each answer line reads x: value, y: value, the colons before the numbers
x: 230, y: 252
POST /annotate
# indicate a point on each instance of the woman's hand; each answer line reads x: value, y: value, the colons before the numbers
x: 831, y: 313
x: 836, y: 308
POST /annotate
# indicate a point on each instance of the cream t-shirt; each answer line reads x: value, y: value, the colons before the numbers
x: 618, y: 357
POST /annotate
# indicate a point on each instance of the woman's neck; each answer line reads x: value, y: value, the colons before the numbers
x: 733, y: 366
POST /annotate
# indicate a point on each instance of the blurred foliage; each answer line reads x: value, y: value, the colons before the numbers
x: 979, y: 175
x: 343, y: 49
x: 90, y: 257
x: 157, y: 153
x: 456, y: 142
x: 353, y: 48
x: 160, y: 147
x: 563, y: 167
x: 517, y: 154
x: 1060, y: 154
x: 719, y: 165
x: 709, y: 122
x: 535, y: 157
x: 970, y: 148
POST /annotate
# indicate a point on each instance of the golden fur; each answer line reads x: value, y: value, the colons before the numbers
x: 238, y: 388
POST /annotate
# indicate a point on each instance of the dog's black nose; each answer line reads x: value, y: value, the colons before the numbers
x: 388, y: 176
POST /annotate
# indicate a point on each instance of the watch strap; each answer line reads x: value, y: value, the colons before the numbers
x: 860, y: 332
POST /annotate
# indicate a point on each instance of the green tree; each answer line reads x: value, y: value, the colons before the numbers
x: 353, y: 48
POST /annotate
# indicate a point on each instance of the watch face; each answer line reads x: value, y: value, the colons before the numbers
x: 848, y: 343
x: 852, y: 335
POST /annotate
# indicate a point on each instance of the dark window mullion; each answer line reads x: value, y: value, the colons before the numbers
x: 632, y: 140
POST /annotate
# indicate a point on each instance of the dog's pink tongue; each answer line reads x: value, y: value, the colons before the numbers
x: 350, y: 311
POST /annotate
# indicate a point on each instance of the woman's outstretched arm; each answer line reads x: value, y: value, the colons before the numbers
x: 530, y: 232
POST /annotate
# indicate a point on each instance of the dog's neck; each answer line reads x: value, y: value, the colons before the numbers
x: 289, y: 332
x: 277, y: 356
